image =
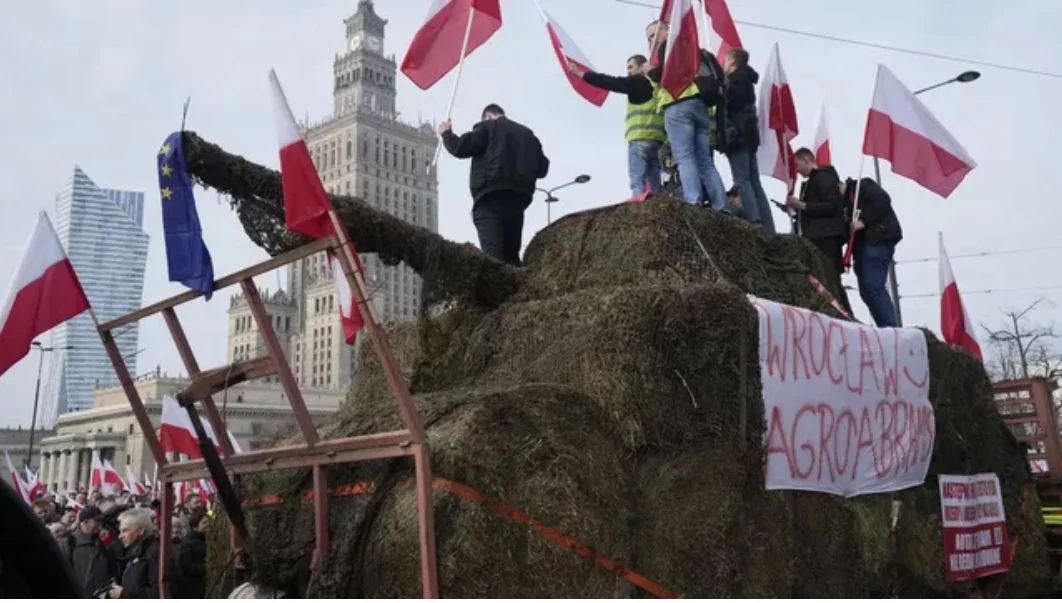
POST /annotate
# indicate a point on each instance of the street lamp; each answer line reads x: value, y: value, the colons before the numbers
x: 37, y: 394
x: 894, y: 287
x: 550, y: 199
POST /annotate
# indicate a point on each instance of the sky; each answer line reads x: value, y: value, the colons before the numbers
x: 103, y: 88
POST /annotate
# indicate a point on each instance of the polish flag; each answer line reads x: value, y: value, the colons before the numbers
x: 97, y: 479
x: 16, y: 481
x: 306, y: 205
x: 723, y: 35
x: 44, y: 293
x: 132, y: 485
x: 436, y: 47
x: 955, y: 323
x: 34, y: 488
x: 568, y: 51
x: 682, y: 56
x: 902, y: 130
x: 821, y: 145
x: 113, y: 479
x: 176, y: 433
x: 778, y: 123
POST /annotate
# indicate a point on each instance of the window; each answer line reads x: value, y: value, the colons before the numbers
x: 387, y: 152
x: 350, y: 149
x: 377, y: 142
x: 287, y: 323
x: 316, y: 307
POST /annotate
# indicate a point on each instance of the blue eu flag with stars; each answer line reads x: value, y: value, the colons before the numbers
x: 187, y: 255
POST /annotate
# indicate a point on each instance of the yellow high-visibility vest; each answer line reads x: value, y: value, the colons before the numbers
x: 644, y: 120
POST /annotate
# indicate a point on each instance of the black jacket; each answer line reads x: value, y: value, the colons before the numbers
x: 742, y: 127
x: 140, y: 578
x: 824, y: 216
x: 506, y: 156
x: 93, y: 562
x: 638, y: 88
x: 190, y: 582
x: 880, y: 224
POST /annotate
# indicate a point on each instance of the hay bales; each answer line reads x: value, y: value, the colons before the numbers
x: 616, y: 397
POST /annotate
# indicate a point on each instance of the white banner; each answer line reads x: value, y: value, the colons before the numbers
x: 847, y: 405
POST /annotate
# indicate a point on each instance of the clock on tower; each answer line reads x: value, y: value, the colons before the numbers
x: 374, y: 43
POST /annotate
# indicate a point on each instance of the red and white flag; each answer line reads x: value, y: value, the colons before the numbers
x: 821, y: 144
x: 436, y: 47
x: 44, y: 293
x: 778, y: 123
x: 568, y: 51
x: 723, y: 34
x: 176, y: 433
x: 132, y: 484
x: 16, y: 481
x: 902, y: 130
x: 34, y: 488
x: 955, y: 323
x: 113, y: 479
x: 306, y: 204
x: 682, y: 56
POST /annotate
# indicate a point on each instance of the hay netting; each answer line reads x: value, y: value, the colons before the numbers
x: 647, y: 445
x: 538, y: 448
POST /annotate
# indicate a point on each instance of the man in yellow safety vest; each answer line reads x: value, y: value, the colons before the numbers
x: 689, y: 122
x: 644, y: 125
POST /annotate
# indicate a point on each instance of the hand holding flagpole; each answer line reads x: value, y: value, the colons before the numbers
x: 457, y: 81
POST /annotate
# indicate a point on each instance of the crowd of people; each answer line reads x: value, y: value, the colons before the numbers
x: 678, y: 136
x: 112, y: 543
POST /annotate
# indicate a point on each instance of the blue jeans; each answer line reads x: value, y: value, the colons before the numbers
x: 643, y: 163
x: 687, y: 124
x: 872, y: 263
x: 746, y: 173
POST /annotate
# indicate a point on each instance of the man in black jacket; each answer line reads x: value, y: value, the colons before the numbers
x: 822, y: 216
x: 507, y: 161
x: 94, y: 563
x: 877, y: 231
x: 741, y: 137
x: 644, y: 126
x: 140, y: 578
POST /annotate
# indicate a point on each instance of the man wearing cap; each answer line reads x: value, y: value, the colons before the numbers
x: 94, y: 564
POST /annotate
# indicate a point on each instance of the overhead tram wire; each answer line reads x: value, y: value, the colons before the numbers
x: 981, y: 254
x: 921, y: 53
x: 966, y: 292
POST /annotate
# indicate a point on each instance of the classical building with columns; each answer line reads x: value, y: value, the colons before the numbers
x: 256, y: 413
x: 14, y: 441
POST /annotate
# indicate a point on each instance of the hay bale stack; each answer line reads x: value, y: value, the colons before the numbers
x: 647, y: 441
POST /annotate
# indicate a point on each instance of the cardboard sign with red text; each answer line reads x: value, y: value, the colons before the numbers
x: 975, y: 526
x: 847, y: 405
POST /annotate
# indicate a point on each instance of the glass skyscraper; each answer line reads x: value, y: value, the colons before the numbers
x: 103, y: 233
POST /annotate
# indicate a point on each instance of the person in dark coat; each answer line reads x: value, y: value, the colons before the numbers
x: 140, y: 578
x: 191, y: 560
x: 507, y: 161
x: 877, y: 231
x: 741, y: 137
x: 94, y: 563
x: 822, y: 216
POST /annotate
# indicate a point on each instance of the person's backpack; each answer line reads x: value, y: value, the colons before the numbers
x: 710, y: 80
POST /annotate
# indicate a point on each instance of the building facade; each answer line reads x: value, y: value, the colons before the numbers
x: 245, y: 338
x: 102, y: 231
x: 255, y: 413
x: 14, y: 442
x: 362, y: 150
x: 1028, y: 409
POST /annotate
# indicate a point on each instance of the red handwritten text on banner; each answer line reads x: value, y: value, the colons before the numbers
x: 975, y: 527
x: 847, y: 404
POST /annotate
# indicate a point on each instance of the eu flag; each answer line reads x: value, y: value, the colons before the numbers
x: 186, y: 254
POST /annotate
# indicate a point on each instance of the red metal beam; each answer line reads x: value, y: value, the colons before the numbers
x: 426, y: 523
x: 320, y: 514
x: 276, y: 352
x: 126, y: 380
x: 223, y: 282
x: 381, y: 445
x: 192, y: 366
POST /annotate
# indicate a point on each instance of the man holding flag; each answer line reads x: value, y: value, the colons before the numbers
x: 644, y: 127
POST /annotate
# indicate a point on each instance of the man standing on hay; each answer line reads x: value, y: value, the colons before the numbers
x: 507, y: 162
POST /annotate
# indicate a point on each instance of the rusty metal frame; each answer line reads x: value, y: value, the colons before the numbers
x: 315, y: 453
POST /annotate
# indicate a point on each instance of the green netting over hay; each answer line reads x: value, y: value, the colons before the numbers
x: 610, y: 389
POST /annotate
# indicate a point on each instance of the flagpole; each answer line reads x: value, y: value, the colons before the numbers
x: 855, y: 214
x: 457, y: 79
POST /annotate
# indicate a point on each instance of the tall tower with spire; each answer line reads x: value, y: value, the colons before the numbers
x: 362, y: 150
